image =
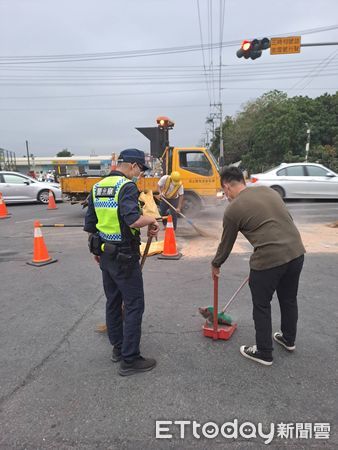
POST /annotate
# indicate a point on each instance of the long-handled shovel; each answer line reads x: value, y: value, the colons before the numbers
x: 146, y: 251
x: 190, y: 222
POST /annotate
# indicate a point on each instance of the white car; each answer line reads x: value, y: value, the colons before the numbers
x: 18, y: 188
x: 299, y: 180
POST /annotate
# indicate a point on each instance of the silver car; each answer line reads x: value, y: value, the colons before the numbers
x: 18, y: 188
x: 299, y: 180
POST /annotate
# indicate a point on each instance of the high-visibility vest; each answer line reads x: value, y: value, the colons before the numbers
x: 106, y: 203
x: 166, y: 188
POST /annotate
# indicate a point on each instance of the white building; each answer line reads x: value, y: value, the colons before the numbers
x: 73, y: 165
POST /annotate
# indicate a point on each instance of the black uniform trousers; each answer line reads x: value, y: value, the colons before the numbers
x: 284, y: 280
x: 127, y: 288
x: 165, y: 209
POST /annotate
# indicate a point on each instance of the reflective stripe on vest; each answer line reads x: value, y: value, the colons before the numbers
x: 166, y: 188
x: 105, y: 198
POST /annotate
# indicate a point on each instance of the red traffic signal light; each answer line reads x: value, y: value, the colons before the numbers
x: 246, y: 45
x: 253, y: 49
x: 244, y: 50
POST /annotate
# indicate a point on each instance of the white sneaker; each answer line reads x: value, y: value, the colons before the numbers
x: 278, y: 337
x: 255, y: 355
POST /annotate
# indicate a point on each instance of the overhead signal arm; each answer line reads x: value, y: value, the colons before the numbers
x: 278, y: 46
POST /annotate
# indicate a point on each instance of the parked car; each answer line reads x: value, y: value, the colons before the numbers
x: 17, y: 188
x: 299, y: 180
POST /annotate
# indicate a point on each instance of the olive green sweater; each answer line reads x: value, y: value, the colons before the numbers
x: 261, y: 216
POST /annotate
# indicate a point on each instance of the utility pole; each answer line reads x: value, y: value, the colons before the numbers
x: 221, y: 147
x: 307, y: 147
x: 211, y: 121
x: 28, y: 161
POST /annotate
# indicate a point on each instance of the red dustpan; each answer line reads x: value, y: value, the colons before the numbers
x: 215, y: 330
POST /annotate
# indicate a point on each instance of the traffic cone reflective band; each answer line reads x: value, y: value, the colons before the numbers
x: 3, y: 209
x: 170, y: 247
x: 40, y: 253
x: 51, y: 201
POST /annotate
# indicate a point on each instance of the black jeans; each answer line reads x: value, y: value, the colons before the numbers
x: 119, y: 286
x: 284, y: 280
x: 165, y: 210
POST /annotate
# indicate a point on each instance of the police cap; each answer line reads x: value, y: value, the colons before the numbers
x: 132, y: 155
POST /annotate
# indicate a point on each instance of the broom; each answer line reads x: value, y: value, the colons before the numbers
x: 222, y: 318
x: 190, y: 222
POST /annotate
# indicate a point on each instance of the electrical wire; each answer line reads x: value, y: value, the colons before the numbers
x: 162, y: 68
x: 221, y: 27
x: 319, y: 67
x: 210, y: 35
x: 202, y: 48
x: 254, y: 70
x: 52, y: 97
x: 230, y: 76
x: 33, y: 59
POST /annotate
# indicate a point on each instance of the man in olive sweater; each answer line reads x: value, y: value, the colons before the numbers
x: 260, y: 215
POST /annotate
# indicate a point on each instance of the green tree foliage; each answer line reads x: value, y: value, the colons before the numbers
x: 64, y: 153
x: 271, y: 130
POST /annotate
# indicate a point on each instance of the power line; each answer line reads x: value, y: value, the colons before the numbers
x: 253, y: 88
x: 125, y: 81
x: 108, y: 108
x: 202, y: 48
x: 254, y: 70
x: 155, y: 68
x: 221, y: 28
x: 33, y: 59
x: 119, y: 94
x: 321, y: 66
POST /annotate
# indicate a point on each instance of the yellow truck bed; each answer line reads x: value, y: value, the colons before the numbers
x: 78, y: 188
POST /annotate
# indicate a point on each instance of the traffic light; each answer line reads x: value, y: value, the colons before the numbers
x: 253, y: 49
x: 244, y: 50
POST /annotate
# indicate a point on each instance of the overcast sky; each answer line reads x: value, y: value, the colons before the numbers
x: 94, y: 105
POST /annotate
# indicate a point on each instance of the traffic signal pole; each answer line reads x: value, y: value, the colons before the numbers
x: 318, y: 44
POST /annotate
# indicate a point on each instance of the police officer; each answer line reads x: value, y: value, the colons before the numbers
x: 113, y: 220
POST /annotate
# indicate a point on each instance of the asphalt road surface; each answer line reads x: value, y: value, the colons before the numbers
x: 303, y: 211
x: 59, y: 389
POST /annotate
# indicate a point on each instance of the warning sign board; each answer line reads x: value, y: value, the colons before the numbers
x: 285, y: 45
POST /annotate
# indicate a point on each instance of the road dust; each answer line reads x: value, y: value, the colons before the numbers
x: 317, y: 238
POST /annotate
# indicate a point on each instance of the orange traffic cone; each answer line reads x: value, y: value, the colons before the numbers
x: 40, y: 256
x: 51, y: 201
x: 3, y: 209
x: 170, y: 247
